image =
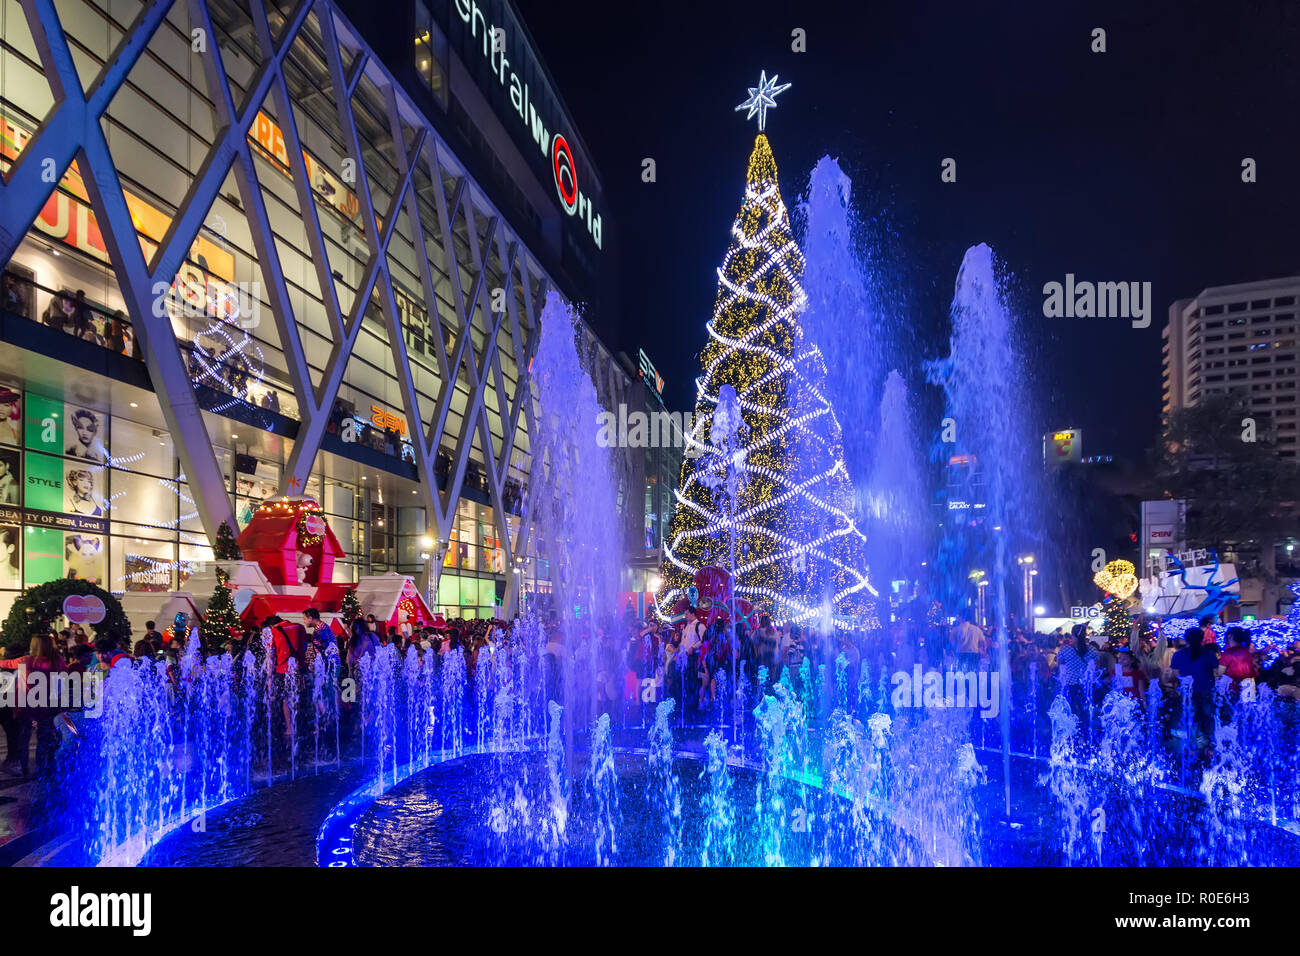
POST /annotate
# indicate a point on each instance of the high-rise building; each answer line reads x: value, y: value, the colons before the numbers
x: 1238, y: 339
x: 275, y: 247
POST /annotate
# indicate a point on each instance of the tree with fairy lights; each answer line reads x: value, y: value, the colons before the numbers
x: 1119, y: 580
x: 221, y: 619
x: 227, y: 546
x: 797, y: 547
x: 351, y: 608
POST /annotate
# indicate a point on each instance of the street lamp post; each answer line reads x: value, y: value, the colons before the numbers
x: 1027, y: 572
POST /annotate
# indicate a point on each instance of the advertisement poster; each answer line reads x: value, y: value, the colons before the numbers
x: 43, y: 549
x: 43, y: 482
x: 84, y: 557
x: 83, y: 487
x: 11, y: 416
x: 86, y: 432
x: 11, y: 478
x: 11, y: 556
x: 44, y: 424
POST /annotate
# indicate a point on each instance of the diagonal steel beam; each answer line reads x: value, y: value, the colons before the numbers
x: 26, y: 189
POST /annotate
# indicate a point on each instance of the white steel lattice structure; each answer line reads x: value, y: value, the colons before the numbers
x: 421, y: 235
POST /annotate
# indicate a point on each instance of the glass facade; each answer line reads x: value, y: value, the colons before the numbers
x: 352, y: 312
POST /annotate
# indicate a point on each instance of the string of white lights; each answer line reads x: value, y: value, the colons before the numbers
x: 757, y: 285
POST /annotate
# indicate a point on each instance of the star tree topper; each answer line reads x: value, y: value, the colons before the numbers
x: 762, y: 97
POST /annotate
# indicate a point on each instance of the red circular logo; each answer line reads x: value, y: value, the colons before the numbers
x: 84, y: 609
x: 566, y: 174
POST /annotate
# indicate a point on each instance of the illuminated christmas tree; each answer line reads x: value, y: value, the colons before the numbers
x: 1119, y: 580
x: 227, y: 546
x: 221, y: 619
x: 1115, y: 619
x: 798, y: 549
x: 351, y: 608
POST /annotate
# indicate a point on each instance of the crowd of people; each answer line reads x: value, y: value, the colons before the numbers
x: 72, y: 650
x: 638, y: 663
x: 686, y: 663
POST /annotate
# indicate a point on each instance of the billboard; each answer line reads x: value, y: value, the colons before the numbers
x: 1063, y: 445
x: 1164, y: 528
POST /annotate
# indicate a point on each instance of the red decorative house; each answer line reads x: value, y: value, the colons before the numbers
x: 292, y: 543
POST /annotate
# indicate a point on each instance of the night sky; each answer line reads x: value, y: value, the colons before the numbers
x: 1122, y: 166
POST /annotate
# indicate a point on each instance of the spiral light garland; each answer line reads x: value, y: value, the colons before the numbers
x: 798, y: 548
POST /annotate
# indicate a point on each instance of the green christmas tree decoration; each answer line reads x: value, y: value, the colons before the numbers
x: 227, y: 546
x: 221, y: 620
x: 351, y: 608
x: 1115, y: 620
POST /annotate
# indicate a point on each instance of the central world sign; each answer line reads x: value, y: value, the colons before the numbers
x: 553, y: 146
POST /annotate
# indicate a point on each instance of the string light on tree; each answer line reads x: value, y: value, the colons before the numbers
x: 1119, y: 580
x: 798, y: 547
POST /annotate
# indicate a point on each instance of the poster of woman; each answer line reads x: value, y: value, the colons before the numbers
x: 81, y: 487
x: 10, y: 479
x: 84, y: 557
x: 11, y: 416
x: 10, y: 558
x: 86, y: 430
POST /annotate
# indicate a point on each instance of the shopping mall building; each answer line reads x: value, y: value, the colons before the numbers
x: 288, y: 247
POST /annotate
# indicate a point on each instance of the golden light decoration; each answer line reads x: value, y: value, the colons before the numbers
x: 797, y: 539
x: 1118, y: 577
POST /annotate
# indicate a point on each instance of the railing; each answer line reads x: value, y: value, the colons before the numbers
x: 249, y: 387
x: 63, y: 311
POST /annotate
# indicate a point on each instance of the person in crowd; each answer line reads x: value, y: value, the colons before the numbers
x: 143, y: 650
x: 608, y: 673
x: 672, y: 680
x: 1237, y: 661
x: 16, y: 757
x: 152, y: 635
x: 81, y: 658
x: 688, y: 660
x: 288, y: 642
x: 59, y: 313
x: 1151, y: 652
x: 1283, y: 675
x: 792, y: 648
x: 1106, y: 651
x: 1198, y: 660
x: 1072, y: 660
x: 116, y: 339
x: 319, y: 636
x: 109, y: 651
x: 14, y: 298
x: 42, y: 657
x: 362, y: 643
x: 1130, y: 677
x: 84, y: 325
x: 768, y: 649
x: 969, y: 642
